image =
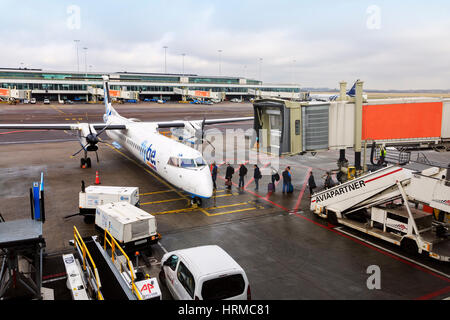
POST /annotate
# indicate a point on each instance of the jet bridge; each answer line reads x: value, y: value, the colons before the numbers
x: 289, y: 127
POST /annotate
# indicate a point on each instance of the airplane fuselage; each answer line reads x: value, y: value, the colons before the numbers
x: 175, y: 162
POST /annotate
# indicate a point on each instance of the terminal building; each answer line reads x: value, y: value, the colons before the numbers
x: 58, y: 86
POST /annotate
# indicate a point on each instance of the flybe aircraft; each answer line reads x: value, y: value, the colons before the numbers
x: 334, y: 97
x: 177, y: 163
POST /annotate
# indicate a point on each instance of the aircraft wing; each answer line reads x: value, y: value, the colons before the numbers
x: 180, y: 124
x: 60, y: 126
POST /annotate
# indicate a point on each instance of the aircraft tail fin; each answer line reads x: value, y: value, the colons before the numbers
x: 352, y: 91
x: 109, y: 110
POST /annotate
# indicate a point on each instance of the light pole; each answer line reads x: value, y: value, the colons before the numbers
x: 85, y: 61
x: 293, y: 71
x: 78, y: 61
x: 165, y: 58
x: 183, y: 55
x: 260, y: 65
x: 220, y: 62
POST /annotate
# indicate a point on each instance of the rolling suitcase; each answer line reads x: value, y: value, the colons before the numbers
x: 270, y: 187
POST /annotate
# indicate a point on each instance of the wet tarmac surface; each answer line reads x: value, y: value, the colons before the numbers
x: 286, y: 251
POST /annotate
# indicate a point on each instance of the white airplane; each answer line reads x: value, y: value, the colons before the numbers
x: 177, y: 163
x: 334, y: 97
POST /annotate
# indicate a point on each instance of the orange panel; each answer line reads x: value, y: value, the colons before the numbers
x: 4, y: 92
x: 114, y: 93
x: 402, y: 121
x: 202, y: 93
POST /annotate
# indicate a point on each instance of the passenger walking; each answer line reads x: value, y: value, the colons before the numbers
x: 257, y: 175
x: 287, y: 179
x: 229, y: 175
x: 275, y: 177
x: 242, y: 173
x: 311, y: 184
x: 328, y: 180
x: 214, y: 174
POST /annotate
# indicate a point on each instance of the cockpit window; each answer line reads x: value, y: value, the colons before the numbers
x: 187, y: 163
x: 173, y: 161
x: 200, y: 162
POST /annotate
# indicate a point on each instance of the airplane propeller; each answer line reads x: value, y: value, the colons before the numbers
x: 92, y: 140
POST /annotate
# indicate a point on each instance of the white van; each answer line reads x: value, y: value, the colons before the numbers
x: 204, y: 273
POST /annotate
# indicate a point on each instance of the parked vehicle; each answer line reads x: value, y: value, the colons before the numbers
x: 46, y: 101
x: 33, y: 101
x: 204, y: 273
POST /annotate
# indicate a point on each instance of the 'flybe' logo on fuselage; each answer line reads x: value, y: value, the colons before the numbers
x: 344, y: 189
x: 148, y: 153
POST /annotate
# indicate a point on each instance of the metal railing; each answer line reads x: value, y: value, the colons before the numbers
x: 88, y: 264
x: 113, y: 244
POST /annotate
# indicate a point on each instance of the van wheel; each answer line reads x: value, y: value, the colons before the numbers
x: 162, y: 277
x: 409, y: 246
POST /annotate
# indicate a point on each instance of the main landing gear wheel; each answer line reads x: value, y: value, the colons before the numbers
x: 85, y: 162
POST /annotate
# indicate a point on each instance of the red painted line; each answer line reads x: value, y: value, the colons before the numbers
x: 300, y: 196
x: 331, y: 228
x: 434, y: 294
x: 53, y: 276
x: 384, y: 175
x: 252, y: 179
x: 19, y: 131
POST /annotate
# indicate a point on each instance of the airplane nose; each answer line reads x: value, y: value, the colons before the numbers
x: 206, y: 187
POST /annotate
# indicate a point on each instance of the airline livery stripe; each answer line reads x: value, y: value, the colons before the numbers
x: 384, y: 175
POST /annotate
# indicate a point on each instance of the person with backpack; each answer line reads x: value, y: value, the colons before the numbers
x: 287, y: 179
x: 275, y: 177
x: 229, y: 175
x: 214, y: 174
x: 242, y: 173
x: 257, y: 175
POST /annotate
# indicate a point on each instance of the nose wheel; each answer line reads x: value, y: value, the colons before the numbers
x: 85, y: 162
x: 196, y: 202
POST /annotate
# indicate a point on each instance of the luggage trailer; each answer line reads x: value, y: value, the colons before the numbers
x: 385, y: 204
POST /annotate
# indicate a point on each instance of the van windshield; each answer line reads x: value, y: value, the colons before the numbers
x: 223, y: 288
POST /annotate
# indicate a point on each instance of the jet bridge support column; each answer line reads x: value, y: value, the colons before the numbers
x: 358, y: 124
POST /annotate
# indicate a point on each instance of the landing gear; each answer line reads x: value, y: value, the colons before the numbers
x: 85, y: 162
x: 196, y: 202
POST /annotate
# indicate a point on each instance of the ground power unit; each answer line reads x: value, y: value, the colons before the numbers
x: 132, y: 227
x: 93, y: 196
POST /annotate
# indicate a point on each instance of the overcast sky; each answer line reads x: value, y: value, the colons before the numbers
x: 387, y: 44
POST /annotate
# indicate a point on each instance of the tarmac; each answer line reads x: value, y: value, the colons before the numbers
x: 286, y: 251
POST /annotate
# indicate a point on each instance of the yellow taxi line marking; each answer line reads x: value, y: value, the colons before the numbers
x: 162, y: 201
x: 175, y: 211
x: 227, y: 206
x: 155, y: 192
x: 233, y: 211
x: 55, y: 108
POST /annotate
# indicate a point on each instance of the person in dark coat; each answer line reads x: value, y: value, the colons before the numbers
x: 328, y: 180
x: 275, y: 177
x: 214, y: 174
x: 257, y: 175
x: 286, y: 179
x: 311, y: 184
x: 229, y: 175
x: 242, y: 173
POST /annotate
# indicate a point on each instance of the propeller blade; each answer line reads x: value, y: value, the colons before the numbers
x: 84, y: 147
x: 96, y: 154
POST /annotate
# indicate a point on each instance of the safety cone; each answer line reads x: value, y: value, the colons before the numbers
x: 97, y: 179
